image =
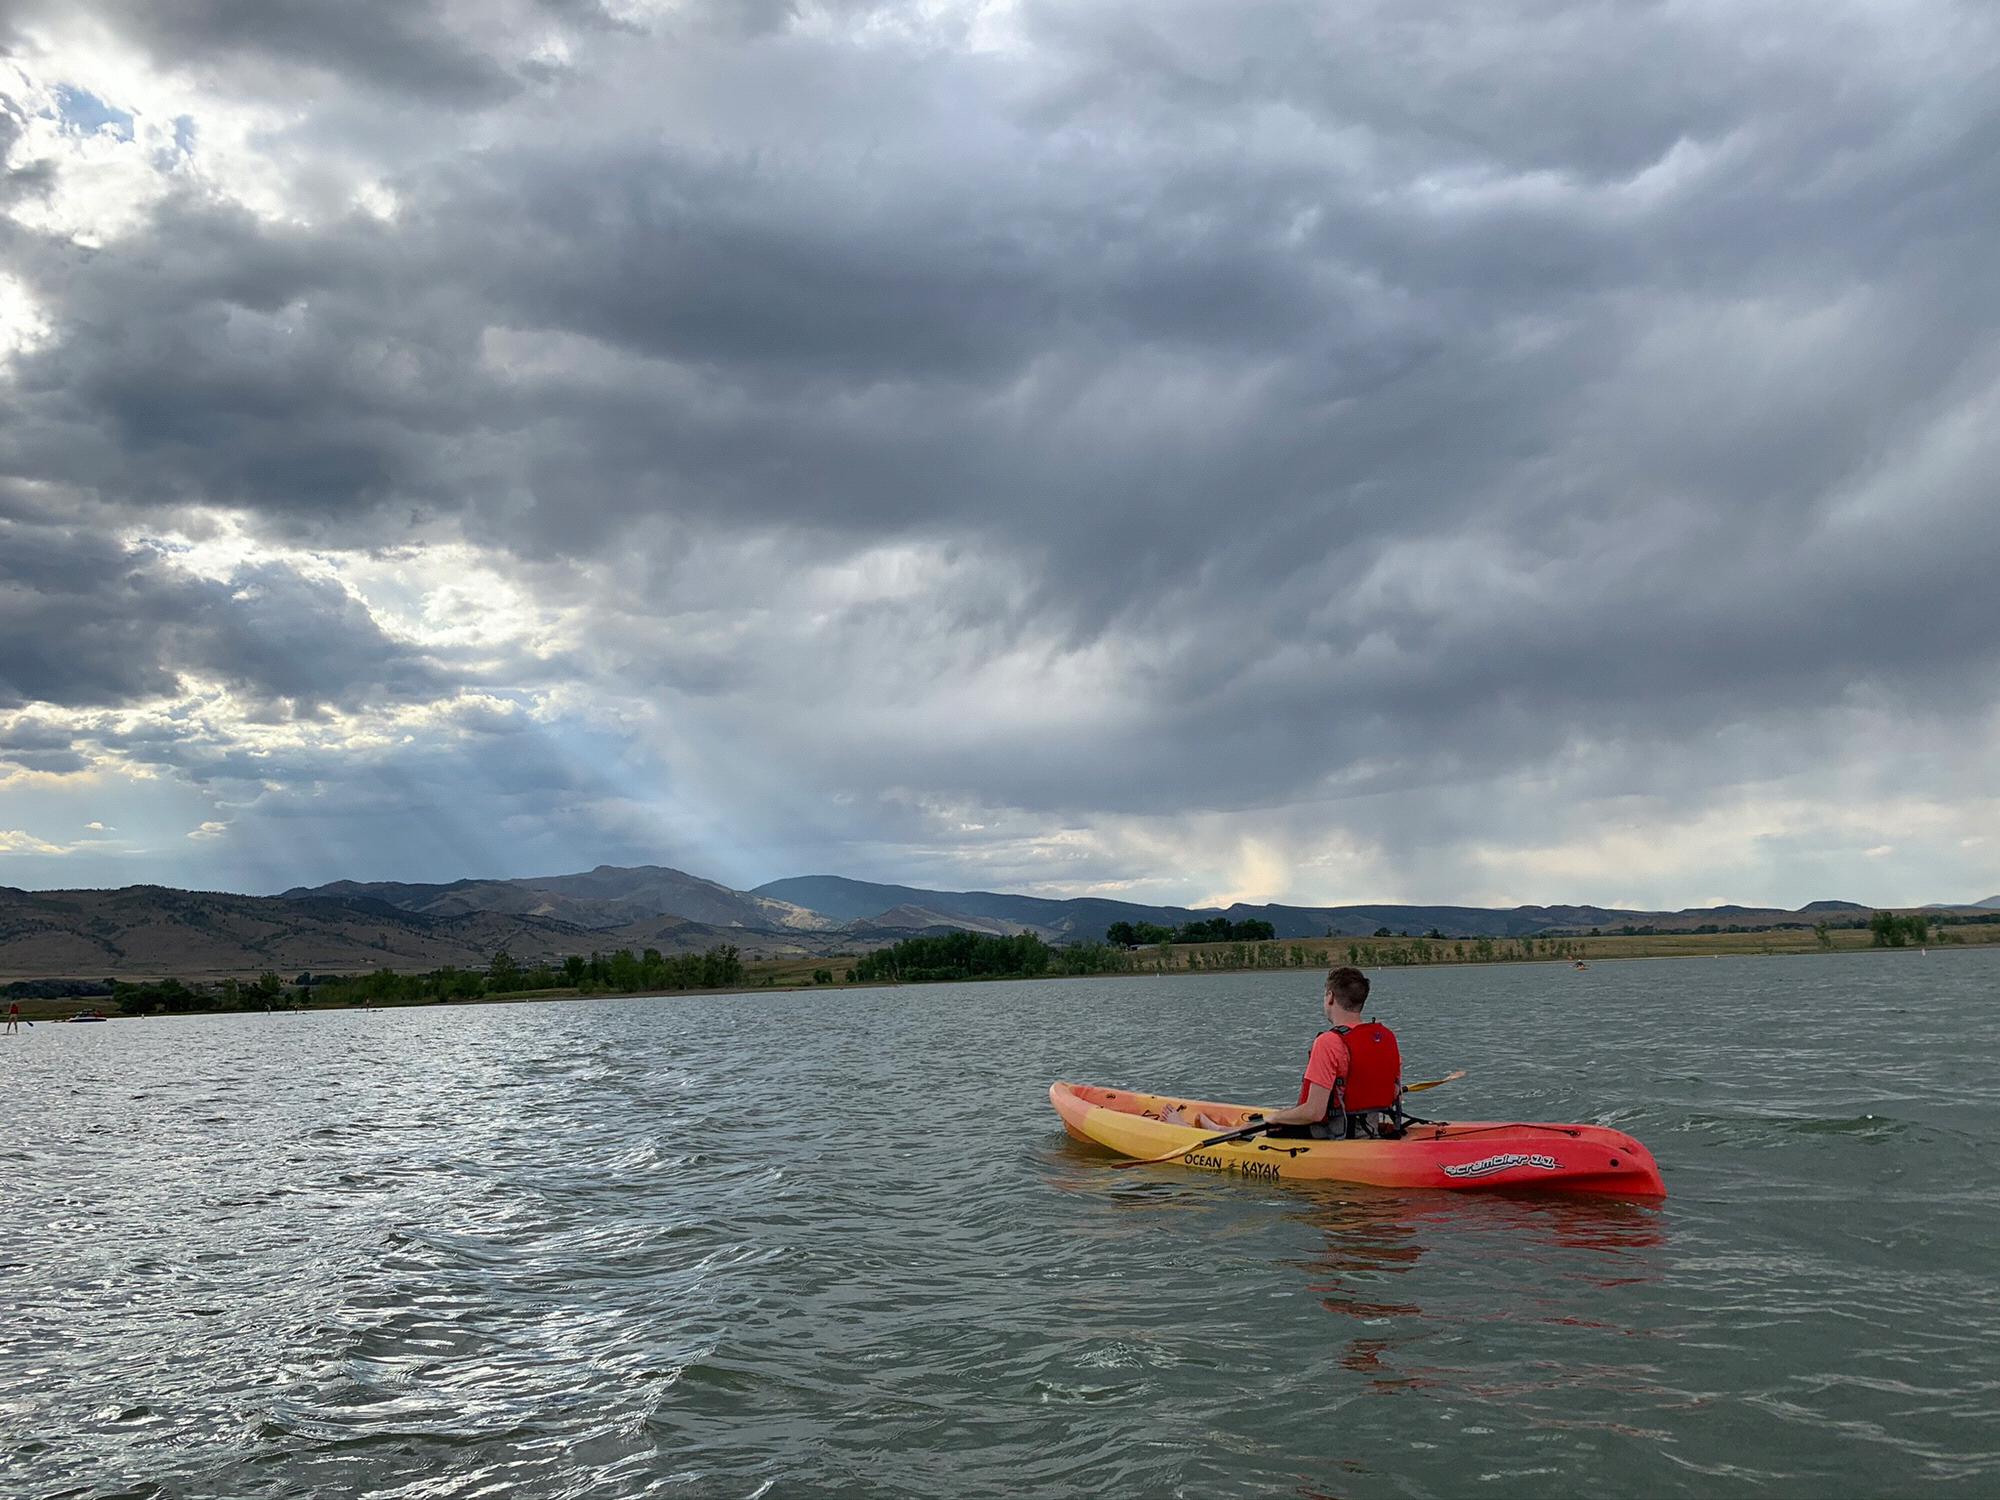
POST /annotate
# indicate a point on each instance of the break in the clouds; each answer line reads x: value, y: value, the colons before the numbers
x: 1194, y: 450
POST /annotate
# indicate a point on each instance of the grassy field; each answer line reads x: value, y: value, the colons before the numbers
x: 1698, y: 944
x: 1322, y: 953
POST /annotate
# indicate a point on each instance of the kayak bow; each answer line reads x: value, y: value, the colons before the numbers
x: 1497, y: 1154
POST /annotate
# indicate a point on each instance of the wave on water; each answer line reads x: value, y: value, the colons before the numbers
x: 837, y: 1244
x: 1862, y: 1129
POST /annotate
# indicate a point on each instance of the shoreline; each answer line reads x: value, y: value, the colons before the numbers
x: 54, y: 1011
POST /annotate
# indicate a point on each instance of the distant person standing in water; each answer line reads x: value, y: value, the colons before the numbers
x: 13, y: 1016
x: 1354, y: 1073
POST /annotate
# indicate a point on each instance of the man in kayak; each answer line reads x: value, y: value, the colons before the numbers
x: 1354, y: 1074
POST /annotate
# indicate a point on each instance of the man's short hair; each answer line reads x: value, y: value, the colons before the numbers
x: 1349, y: 987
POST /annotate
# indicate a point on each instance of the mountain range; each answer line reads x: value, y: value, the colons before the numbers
x: 352, y: 925
x: 604, y: 897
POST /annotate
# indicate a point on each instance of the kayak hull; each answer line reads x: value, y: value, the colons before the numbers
x: 1474, y: 1155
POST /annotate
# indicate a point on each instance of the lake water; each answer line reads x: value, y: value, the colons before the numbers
x: 837, y: 1244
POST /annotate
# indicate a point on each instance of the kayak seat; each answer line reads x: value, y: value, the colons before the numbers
x: 1357, y: 1125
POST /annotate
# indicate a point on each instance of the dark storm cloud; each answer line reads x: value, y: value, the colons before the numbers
x: 1397, y: 398
x: 400, y: 46
x: 89, y: 622
x: 36, y: 745
x: 226, y: 363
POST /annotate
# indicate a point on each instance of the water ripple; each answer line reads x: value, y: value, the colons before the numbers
x: 836, y: 1244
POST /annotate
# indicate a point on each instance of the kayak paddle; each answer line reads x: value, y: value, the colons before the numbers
x: 1417, y: 1088
x: 1261, y: 1125
x: 1214, y: 1140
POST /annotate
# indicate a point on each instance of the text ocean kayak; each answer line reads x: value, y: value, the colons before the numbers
x: 1468, y: 1154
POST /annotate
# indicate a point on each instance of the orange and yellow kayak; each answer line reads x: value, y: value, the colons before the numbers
x: 1484, y: 1154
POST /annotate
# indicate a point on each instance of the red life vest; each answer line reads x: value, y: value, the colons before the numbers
x: 1374, y: 1078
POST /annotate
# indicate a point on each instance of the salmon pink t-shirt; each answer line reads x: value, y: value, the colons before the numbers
x: 1327, y: 1064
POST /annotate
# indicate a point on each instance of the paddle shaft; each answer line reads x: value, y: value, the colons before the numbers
x: 1214, y: 1140
x: 1260, y: 1126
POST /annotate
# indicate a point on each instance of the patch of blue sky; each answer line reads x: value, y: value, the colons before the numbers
x: 85, y: 113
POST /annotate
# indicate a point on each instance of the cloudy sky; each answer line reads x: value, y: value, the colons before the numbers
x: 1505, y: 451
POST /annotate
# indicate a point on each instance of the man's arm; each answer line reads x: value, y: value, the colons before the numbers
x: 1325, y: 1067
x: 1308, y: 1113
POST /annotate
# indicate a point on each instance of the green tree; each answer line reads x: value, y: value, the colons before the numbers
x: 625, y: 974
x: 503, y: 974
x: 1893, y: 931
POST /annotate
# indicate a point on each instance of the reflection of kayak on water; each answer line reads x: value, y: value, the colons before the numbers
x: 1516, y: 1154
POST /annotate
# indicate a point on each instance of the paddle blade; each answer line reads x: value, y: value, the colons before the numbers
x: 1434, y: 1083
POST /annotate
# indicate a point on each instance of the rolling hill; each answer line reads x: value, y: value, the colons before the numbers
x: 157, y: 932
x: 1083, y: 918
x: 608, y: 896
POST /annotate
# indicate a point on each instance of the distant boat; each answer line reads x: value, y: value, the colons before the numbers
x: 88, y: 1015
x: 1577, y: 963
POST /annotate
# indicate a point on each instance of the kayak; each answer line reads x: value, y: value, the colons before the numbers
x: 1472, y: 1154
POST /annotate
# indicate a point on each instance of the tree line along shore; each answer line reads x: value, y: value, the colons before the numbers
x: 950, y: 957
